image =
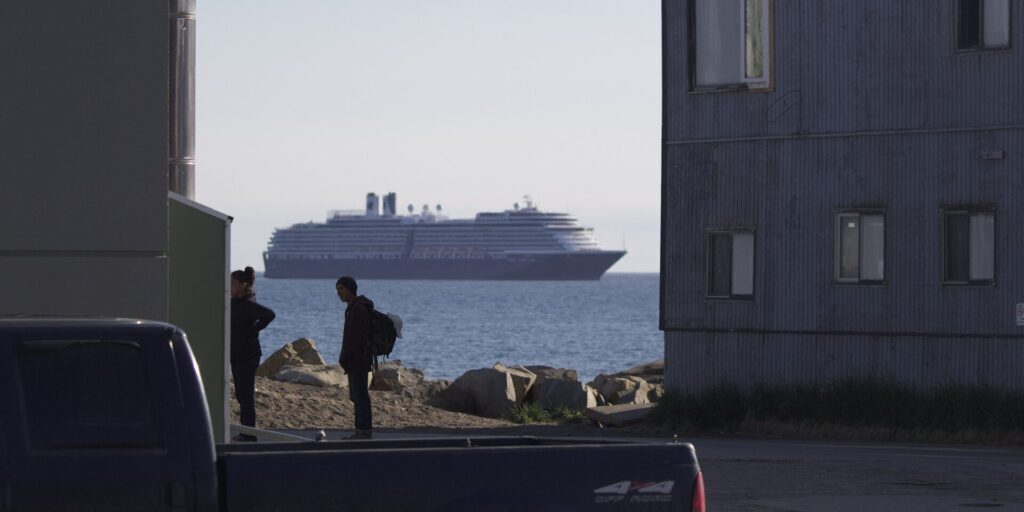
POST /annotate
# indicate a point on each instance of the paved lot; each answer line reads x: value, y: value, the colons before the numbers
x: 773, y: 475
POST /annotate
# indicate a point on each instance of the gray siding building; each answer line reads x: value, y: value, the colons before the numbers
x: 843, y: 192
x: 97, y: 166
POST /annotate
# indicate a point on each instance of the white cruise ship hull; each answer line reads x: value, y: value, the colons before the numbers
x: 574, y: 266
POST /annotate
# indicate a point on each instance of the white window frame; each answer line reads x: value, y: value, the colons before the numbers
x: 839, y: 217
x: 746, y: 290
x: 744, y: 82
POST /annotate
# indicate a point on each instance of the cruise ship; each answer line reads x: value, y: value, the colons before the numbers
x: 522, y: 243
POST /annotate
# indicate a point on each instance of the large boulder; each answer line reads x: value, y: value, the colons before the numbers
x: 640, y: 384
x: 638, y: 394
x: 653, y: 373
x: 619, y: 390
x: 299, y: 352
x: 552, y: 393
x: 487, y: 392
x: 392, y: 376
x: 284, y: 356
x: 548, y: 372
x: 426, y: 390
x: 307, y: 351
x: 322, y: 376
x: 656, y: 393
x: 522, y: 379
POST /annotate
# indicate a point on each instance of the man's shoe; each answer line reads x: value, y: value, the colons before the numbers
x: 361, y: 434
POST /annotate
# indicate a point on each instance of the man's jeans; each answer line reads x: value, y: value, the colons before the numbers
x: 359, y: 393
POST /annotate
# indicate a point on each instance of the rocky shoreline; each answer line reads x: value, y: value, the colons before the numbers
x: 296, y: 389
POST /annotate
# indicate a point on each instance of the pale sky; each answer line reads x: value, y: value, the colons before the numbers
x: 305, y: 106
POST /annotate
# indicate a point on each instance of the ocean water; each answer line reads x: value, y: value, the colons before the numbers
x: 450, y: 327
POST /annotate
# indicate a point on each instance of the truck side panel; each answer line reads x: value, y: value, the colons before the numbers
x: 612, y: 477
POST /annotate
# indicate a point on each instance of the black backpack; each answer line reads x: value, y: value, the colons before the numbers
x: 383, y: 333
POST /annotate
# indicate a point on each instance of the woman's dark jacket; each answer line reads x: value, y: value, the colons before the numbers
x: 247, y: 320
x: 355, y: 339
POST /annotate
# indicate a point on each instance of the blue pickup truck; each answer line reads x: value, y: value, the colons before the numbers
x: 110, y: 415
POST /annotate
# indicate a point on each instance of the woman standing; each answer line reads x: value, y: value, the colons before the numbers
x: 247, y: 320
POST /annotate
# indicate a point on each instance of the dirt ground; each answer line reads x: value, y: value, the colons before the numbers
x: 284, y: 405
x: 289, y: 406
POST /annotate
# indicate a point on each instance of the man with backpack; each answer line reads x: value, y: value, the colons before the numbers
x: 357, y: 354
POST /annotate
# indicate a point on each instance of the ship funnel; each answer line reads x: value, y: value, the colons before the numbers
x: 372, y: 206
x: 390, y: 204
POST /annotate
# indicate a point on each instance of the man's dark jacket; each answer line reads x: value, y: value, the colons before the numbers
x: 247, y: 320
x: 355, y: 340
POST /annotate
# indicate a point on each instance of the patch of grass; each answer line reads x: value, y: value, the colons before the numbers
x: 531, y: 412
x: 528, y: 412
x: 563, y: 414
x: 863, y: 405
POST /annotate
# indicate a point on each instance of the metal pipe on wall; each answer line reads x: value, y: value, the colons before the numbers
x: 182, y: 94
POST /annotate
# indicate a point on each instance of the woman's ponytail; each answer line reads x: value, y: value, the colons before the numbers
x: 248, y: 278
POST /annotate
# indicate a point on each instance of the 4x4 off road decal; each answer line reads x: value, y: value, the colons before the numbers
x: 635, y: 491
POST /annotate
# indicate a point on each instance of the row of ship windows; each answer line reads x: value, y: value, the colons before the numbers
x: 425, y: 243
x: 313, y: 246
x: 448, y: 227
x: 386, y: 256
x: 474, y: 236
x: 968, y: 252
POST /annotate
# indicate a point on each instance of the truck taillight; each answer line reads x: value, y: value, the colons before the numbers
x: 698, y: 504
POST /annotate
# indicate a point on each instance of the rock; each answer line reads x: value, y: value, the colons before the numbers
x: 487, y: 392
x: 657, y: 391
x: 547, y: 372
x: 639, y: 394
x: 522, y: 379
x: 425, y: 391
x: 551, y: 393
x: 653, y: 373
x: 307, y: 351
x: 639, y: 385
x: 655, y: 368
x: 392, y: 376
x: 299, y: 352
x: 622, y: 390
x: 619, y: 415
x: 323, y: 376
x: 284, y: 356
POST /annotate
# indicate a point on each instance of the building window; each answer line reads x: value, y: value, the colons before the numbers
x: 983, y: 24
x: 860, y: 247
x: 730, y: 264
x: 732, y: 41
x: 968, y: 239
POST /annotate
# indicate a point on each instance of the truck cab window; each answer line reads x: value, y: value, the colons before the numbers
x: 86, y: 394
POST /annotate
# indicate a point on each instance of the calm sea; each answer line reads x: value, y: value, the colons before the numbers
x: 453, y: 326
